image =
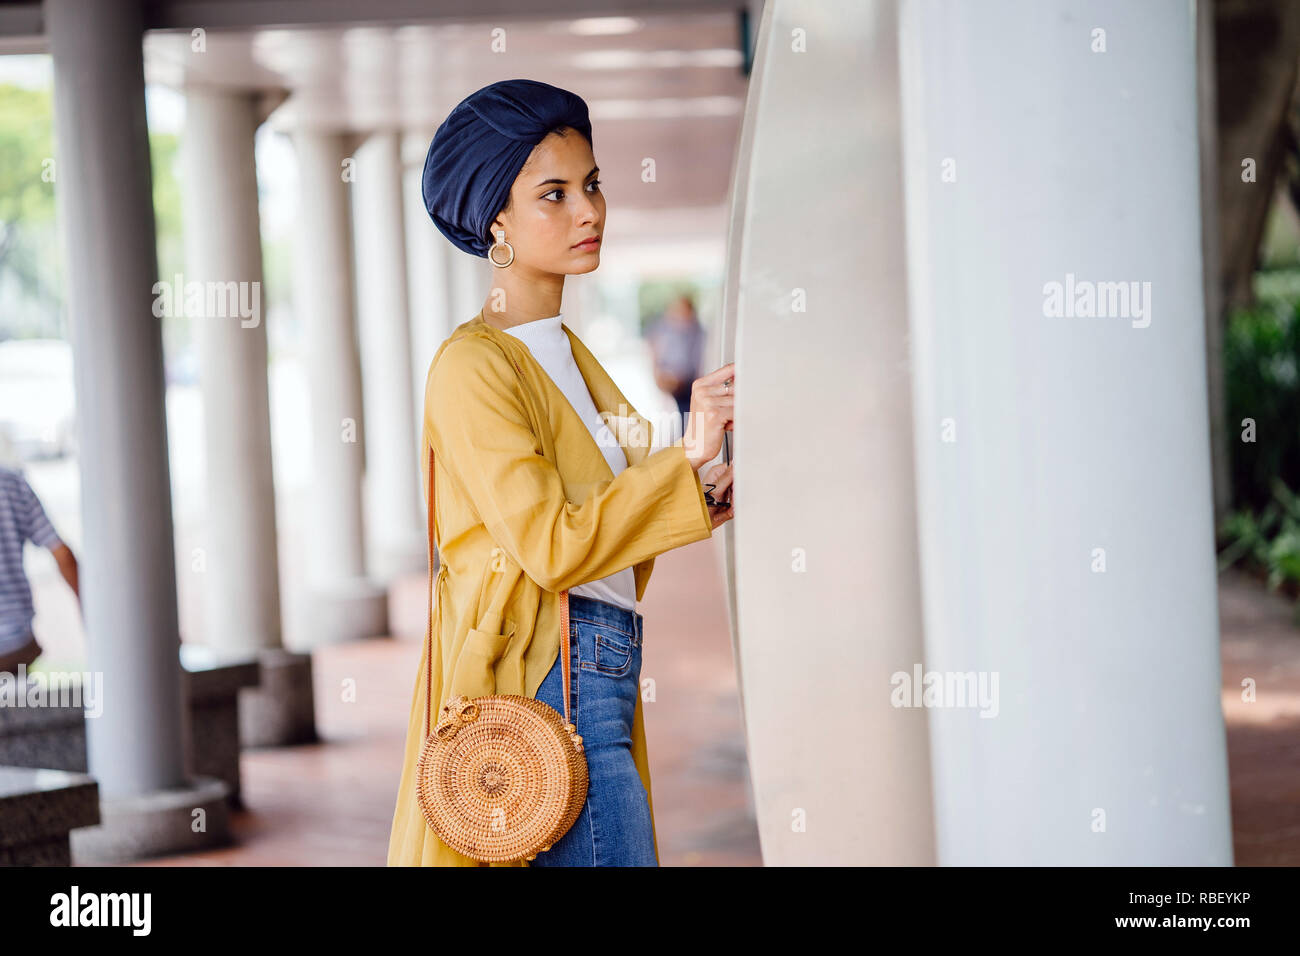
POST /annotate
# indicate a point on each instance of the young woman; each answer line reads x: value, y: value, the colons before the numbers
x: 542, y: 473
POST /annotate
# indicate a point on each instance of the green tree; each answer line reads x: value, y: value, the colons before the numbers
x: 27, y: 175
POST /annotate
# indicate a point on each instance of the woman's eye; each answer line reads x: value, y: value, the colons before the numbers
x: 594, y: 182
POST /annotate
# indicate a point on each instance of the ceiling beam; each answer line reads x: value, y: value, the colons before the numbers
x: 22, y: 24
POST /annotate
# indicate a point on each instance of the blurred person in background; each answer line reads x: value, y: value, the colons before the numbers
x: 22, y: 519
x: 677, y: 341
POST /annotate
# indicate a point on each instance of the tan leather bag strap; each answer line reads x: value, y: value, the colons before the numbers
x: 428, y: 618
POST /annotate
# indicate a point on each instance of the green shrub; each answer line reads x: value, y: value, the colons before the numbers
x: 1268, y: 542
x: 1261, y: 366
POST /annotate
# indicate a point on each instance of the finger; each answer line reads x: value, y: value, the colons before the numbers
x: 718, y: 376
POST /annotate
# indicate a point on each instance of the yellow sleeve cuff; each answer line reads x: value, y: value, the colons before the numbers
x: 687, y: 517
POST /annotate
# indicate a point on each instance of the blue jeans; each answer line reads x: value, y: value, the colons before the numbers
x: 614, y: 827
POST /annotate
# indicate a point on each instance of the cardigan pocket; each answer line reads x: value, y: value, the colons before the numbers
x: 475, y: 673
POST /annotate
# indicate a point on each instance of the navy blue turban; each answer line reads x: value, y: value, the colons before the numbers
x: 477, y: 153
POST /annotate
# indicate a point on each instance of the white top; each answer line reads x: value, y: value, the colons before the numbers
x: 549, y: 344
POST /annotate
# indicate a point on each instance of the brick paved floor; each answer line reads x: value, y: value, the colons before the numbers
x: 332, y: 803
x: 1261, y: 641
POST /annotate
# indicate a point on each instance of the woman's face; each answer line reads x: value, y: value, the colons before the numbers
x: 555, y: 203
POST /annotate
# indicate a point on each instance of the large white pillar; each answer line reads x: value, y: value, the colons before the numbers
x: 223, y: 245
x: 136, y: 746
x: 1063, y: 456
x: 392, y: 438
x: 428, y: 271
x: 471, y: 280
x: 826, y: 567
x: 344, y: 603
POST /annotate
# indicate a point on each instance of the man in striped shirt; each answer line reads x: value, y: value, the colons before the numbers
x: 22, y: 519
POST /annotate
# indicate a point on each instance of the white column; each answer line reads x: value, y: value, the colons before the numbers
x: 471, y: 278
x: 137, y: 738
x: 826, y: 566
x: 428, y: 273
x: 128, y: 568
x: 1063, y: 456
x: 392, y: 439
x: 344, y: 603
x: 223, y: 244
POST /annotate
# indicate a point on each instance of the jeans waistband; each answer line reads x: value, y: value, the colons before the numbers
x: 605, y: 614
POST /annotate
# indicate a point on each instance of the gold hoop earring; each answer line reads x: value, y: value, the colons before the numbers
x: 501, y: 241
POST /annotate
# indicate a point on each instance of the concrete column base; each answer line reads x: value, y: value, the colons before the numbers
x: 408, y: 601
x: 52, y: 736
x: 281, y: 710
x: 347, y: 611
x: 38, y: 809
x: 393, y: 558
x: 215, y: 683
x: 156, y: 824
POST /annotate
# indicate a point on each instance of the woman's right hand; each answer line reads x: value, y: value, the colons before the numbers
x: 720, y: 476
x: 712, y: 404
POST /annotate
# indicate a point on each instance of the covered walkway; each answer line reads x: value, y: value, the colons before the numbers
x: 331, y: 803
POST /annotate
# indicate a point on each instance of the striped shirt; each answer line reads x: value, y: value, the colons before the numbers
x: 22, y: 519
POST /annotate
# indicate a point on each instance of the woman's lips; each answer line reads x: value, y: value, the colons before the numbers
x: 588, y: 244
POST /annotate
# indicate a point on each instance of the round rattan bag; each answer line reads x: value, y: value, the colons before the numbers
x: 501, y: 777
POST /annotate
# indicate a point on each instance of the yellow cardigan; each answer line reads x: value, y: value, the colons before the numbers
x: 526, y: 506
